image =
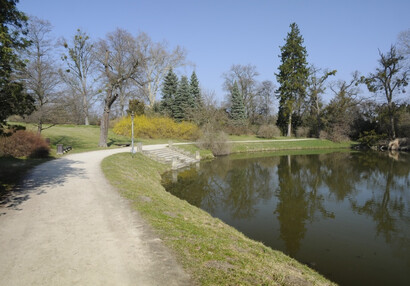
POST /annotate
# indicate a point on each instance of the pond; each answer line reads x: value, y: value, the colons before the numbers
x: 345, y: 214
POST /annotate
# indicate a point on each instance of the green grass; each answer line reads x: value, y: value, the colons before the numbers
x: 192, y: 148
x: 254, y: 137
x: 211, y: 251
x: 85, y: 138
x: 288, y: 145
x: 81, y: 138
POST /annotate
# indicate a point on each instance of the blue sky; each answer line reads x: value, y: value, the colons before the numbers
x: 342, y: 35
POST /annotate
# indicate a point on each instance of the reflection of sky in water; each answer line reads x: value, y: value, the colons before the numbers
x: 346, y: 215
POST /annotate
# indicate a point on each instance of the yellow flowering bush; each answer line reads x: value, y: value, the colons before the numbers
x: 156, y: 127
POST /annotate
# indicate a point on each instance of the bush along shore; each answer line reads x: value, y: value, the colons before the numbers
x: 211, y: 251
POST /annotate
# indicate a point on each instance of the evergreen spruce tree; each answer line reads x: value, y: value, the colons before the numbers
x: 169, y: 91
x: 292, y: 77
x: 195, y: 91
x: 238, y: 112
x: 183, y: 100
x: 13, y: 97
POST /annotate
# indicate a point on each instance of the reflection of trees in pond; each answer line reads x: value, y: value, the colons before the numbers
x: 338, y: 174
x: 300, y: 184
x: 385, y: 206
x: 248, y: 182
x: 236, y: 185
x: 299, y: 200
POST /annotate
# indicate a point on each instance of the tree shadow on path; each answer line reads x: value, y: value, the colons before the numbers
x: 41, y: 179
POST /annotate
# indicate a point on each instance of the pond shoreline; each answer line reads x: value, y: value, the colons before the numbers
x: 213, y: 252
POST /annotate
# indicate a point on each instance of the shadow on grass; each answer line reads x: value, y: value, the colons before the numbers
x: 38, y: 181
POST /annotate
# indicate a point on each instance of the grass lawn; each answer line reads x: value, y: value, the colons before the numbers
x: 251, y: 137
x: 81, y: 138
x: 85, y: 138
x: 192, y: 148
x: 211, y: 251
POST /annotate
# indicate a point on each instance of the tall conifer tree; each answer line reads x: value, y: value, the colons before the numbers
x: 238, y: 112
x: 13, y: 98
x: 183, y: 100
x: 292, y: 77
x: 169, y: 90
x: 195, y: 91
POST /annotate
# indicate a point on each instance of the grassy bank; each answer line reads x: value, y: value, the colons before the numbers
x: 213, y: 252
x: 283, y: 144
x: 262, y: 145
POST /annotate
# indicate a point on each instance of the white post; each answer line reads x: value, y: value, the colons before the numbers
x: 132, y: 132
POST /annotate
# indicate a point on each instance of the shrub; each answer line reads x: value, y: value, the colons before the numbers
x: 24, y: 143
x: 237, y: 128
x: 370, y: 138
x: 268, y: 131
x: 216, y: 141
x: 156, y: 127
x: 302, y: 132
x: 336, y: 134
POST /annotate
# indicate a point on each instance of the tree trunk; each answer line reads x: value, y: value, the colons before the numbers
x: 85, y: 111
x: 85, y: 103
x: 39, y: 127
x: 318, y: 120
x: 105, y: 121
x: 391, y: 115
x: 290, y: 125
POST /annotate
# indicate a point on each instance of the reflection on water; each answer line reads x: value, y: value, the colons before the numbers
x: 345, y: 214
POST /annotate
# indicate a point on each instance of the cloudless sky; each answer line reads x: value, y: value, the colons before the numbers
x: 339, y: 34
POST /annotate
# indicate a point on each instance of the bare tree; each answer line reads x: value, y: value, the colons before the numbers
x: 389, y: 79
x: 158, y: 61
x: 80, y: 72
x: 316, y: 87
x: 265, y: 93
x: 120, y: 62
x: 403, y: 44
x: 41, y: 75
x: 245, y: 76
x: 129, y: 90
x: 342, y: 109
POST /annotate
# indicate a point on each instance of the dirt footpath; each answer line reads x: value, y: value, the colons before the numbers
x: 67, y: 226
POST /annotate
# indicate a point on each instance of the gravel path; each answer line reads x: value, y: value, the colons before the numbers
x: 67, y: 226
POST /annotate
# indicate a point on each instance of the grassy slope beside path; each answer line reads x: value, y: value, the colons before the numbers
x: 213, y: 252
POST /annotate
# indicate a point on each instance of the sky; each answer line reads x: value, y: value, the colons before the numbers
x: 345, y: 35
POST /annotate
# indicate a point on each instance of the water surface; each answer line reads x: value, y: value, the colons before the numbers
x: 345, y: 214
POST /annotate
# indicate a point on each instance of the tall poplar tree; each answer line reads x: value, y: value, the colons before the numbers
x: 292, y: 77
x: 169, y: 90
x: 238, y: 112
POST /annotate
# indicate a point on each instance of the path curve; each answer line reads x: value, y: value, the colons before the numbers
x: 67, y: 226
